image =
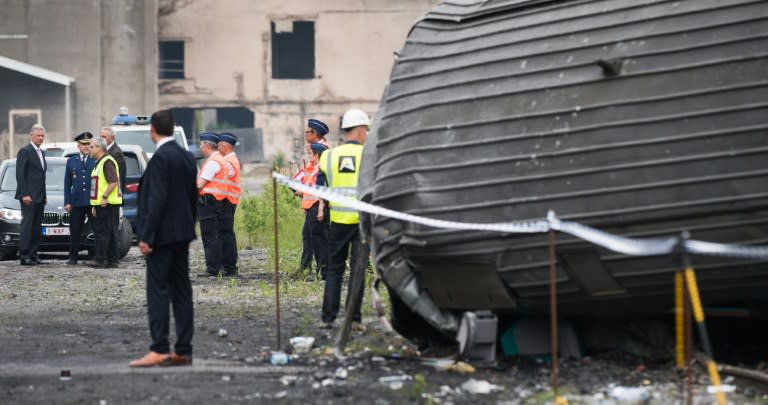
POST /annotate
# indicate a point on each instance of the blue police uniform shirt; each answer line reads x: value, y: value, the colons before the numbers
x: 77, y: 182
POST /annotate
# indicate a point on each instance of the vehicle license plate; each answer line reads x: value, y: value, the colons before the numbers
x: 56, y: 231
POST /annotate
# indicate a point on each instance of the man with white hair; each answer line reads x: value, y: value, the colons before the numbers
x: 108, y: 134
x: 106, y: 199
x: 30, y: 191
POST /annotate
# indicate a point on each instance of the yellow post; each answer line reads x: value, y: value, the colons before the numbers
x: 698, y: 314
x: 679, y: 321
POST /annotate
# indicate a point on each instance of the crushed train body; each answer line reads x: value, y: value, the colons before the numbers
x: 640, y: 118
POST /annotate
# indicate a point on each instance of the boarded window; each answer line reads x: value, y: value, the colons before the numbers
x: 171, y: 59
x: 293, y: 52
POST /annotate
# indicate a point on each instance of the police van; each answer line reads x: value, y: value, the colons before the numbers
x: 134, y: 130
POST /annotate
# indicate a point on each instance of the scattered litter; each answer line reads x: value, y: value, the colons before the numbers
x: 726, y: 388
x: 394, y: 382
x: 223, y: 332
x: 302, y: 344
x: 341, y: 373
x: 279, y: 358
x: 378, y: 359
x: 288, y: 379
x: 315, y: 385
x: 281, y: 394
x: 327, y: 382
x: 454, y: 366
x: 226, y: 378
x: 65, y: 375
x: 473, y: 386
x: 630, y: 393
x: 102, y: 402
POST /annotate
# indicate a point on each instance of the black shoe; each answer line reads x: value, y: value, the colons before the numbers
x: 112, y: 265
x: 97, y: 265
x: 28, y: 262
x: 71, y: 262
x: 38, y: 261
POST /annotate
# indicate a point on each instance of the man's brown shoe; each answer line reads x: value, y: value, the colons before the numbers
x: 150, y: 360
x: 178, y: 360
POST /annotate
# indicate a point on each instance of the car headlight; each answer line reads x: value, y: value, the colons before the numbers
x: 10, y: 215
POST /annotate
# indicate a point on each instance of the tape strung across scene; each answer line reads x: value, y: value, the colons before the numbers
x: 616, y: 243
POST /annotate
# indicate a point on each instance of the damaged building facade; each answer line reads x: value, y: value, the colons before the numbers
x: 71, y: 65
x: 278, y: 63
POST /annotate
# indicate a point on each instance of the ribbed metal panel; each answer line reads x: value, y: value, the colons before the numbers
x: 639, y: 117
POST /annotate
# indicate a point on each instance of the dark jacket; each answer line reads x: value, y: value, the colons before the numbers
x: 167, y: 202
x: 117, y: 154
x: 30, y: 175
x: 77, y: 181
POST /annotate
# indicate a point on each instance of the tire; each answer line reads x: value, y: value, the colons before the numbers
x: 125, y: 238
x: 413, y: 327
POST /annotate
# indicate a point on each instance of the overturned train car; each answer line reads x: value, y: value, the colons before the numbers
x: 639, y: 117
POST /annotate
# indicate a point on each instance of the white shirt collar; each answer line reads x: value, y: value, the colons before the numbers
x: 163, y: 141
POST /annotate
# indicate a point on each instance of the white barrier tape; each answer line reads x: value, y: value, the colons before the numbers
x: 332, y: 195
x: 620, y: 244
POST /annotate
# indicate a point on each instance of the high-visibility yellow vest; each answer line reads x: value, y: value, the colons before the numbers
x: 99, y: 183
x: 341, y: 166
x: 234, y: 181
x: 218, y: 186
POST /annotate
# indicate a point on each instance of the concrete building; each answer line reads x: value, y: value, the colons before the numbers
x: 73, y: 63
x: 272, y: 64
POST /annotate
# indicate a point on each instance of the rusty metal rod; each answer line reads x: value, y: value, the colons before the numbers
x: 553, y: 313
x: 277, y: 259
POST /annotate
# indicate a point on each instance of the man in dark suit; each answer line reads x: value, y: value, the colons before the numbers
x: 77, y: 192
x: 108, y: 134
x: 167, y: 211
x: 30, y: 191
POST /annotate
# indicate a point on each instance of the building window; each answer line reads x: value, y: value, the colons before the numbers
x: 293, y: 52
x: 171, y: 59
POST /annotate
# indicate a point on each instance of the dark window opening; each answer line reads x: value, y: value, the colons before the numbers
x: 171, y: 59
x: 293, y: 53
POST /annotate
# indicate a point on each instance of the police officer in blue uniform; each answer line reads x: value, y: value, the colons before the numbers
x: 77, y: 191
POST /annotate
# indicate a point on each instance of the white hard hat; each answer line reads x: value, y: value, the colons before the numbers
x: 355, y: 118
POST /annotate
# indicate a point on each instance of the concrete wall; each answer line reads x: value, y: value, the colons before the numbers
x: 228, y: 60
x: 108, y: 46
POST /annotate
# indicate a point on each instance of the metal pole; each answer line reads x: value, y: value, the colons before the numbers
x: 277, y: 259
x: 553, y: 313
x: 688, y: 326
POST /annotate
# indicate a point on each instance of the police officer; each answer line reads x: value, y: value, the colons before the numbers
x: 106, y: 199
x: 213, y: 189
x: 315, y: 212
x: 341, y: 169
x: 77, y: 188
x: 229, y: 205
x: 313, y: 134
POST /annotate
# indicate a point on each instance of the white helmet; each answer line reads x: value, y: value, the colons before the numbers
x: 355, y: 118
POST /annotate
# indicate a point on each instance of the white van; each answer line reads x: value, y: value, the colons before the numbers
x: 134, y: 130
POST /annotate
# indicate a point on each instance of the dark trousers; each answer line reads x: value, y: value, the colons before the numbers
x: 105, y: 226
x: 228, y: 239
x: 341, y: 237
x: 31, y: 229
x: 210, y: 211
x: 77, y: 218
x: 318, y: 232
x: 306, y: 247
x: 168, y: 283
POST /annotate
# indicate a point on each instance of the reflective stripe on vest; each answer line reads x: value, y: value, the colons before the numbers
x: 234, y: 181
x: 218, y: 186
x: 341, y: 166
x: 310, y: 179
x: 99, y: 183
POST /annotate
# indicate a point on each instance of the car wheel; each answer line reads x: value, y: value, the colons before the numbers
x: 126, y: 238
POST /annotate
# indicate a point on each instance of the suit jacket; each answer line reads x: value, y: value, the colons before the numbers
x: 77, y: 181
x: 117, y: 154
x: 167, y: 200
x: 30, y: 175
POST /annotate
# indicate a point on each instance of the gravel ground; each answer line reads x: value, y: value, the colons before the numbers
x: 92, y: 322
